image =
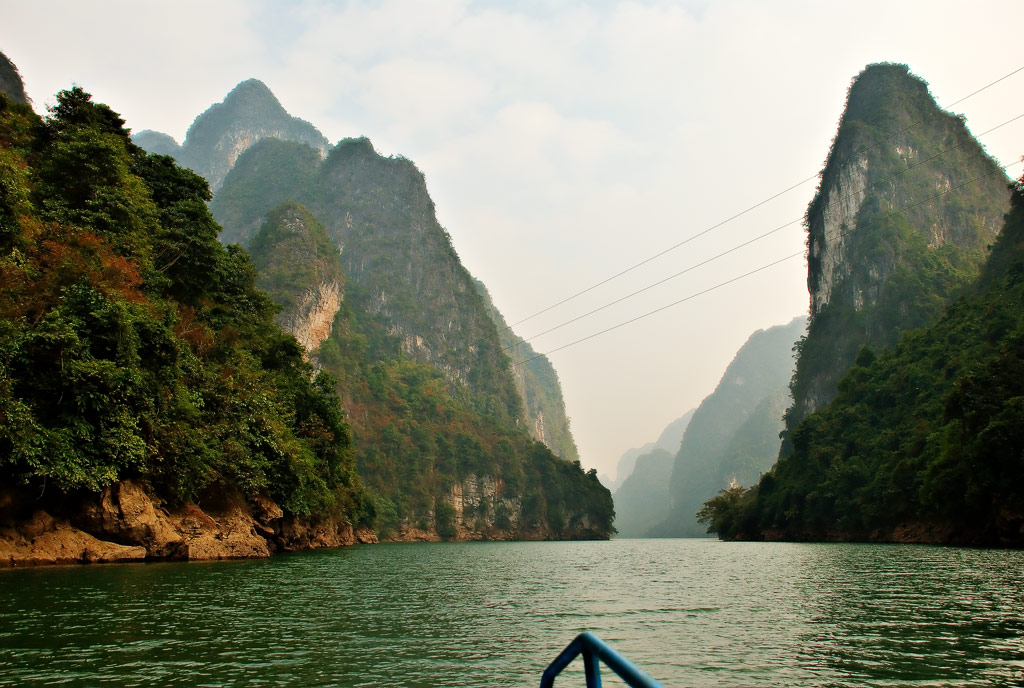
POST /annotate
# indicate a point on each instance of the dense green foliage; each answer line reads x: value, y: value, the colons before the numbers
x: 909, y: 249
x: 923, y: 442
x: 132, y: 343
x: 418, y: 435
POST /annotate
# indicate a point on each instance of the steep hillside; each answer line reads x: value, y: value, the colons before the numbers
x: 733, y: 435
x: 434, y: 466
x: 440, y: 414
x: 923, y: 443
x: 149, y: 407
x: 298, y: 267
x: 538, y: 386
x: 10, y: 81
x: 908, y: 202
x: 403, y: 276
x: 249, y: 113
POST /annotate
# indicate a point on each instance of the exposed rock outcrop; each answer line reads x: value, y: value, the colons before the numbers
x: 126, y: 523
x: 311, y: 319
x: 299, y: 269
x: 43, y: 540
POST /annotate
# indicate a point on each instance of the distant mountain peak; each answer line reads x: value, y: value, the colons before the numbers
x: 250, y: 97
x: 249, y: 113
x: 896, y: 229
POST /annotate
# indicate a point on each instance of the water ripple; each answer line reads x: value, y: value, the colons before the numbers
x: 690, y: 612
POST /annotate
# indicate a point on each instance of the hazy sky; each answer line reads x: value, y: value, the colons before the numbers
x: 563, y: 142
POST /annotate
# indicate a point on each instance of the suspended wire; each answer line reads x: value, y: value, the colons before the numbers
x: 764, y: 267
x: 754, y: 239
x: 751, y: 208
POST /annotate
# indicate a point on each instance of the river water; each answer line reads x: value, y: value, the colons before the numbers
x: 689, y: 612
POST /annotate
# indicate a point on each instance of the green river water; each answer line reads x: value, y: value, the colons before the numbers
x: 689, y: 612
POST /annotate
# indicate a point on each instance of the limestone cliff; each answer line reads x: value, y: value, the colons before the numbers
x: 908, y: 202
x: 249, y: 113
x: 10, y: 81
x: 481, y: 510
x: 298, y: 268
x: 126, y: 522
x: 538, y: 386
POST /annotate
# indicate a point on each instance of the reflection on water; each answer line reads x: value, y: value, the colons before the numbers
x: 690, y: 612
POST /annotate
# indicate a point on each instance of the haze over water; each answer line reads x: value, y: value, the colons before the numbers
x: 689, y: 612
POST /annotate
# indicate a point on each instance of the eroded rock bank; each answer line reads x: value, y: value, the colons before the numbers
x: 125, y: 523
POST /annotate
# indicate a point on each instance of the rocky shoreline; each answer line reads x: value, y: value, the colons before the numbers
x: 125, y: 523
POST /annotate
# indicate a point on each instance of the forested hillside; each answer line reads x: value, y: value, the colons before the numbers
x: 924, y: 442
x: 134, y: 345
x: 350, y: 248
x: 432, y: 463
x: 391, y: 199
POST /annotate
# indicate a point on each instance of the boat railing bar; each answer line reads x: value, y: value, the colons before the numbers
x: 595, y: 651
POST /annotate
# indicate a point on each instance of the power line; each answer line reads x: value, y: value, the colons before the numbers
x: 751, y: 208
x: 763, y: 267
x: 755, y: 239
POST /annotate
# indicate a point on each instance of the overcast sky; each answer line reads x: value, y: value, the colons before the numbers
x: 563, y: 142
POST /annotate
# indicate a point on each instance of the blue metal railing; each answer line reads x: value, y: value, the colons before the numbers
x: 595, y: 651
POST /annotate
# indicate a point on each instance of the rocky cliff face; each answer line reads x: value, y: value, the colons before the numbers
x: 298, y: 268
x: 126, y: 522
x: 538, y: 386
x: 10, y: 81
x: 907, y: 204
x: 311, y: 320
x: 249, y: 114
